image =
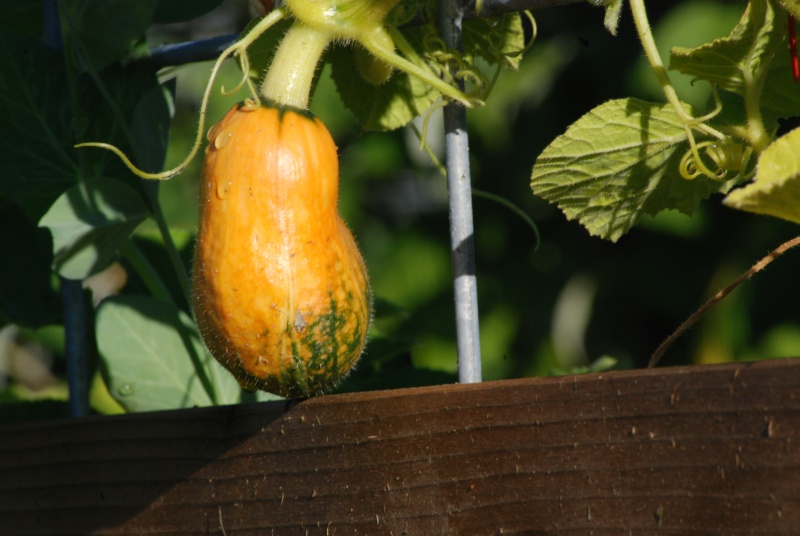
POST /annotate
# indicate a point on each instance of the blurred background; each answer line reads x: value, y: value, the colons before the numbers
x: 566, y: 306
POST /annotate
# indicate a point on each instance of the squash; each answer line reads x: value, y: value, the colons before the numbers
x: 280, y: 290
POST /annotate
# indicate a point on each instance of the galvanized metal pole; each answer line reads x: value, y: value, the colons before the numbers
x: 459, y: 189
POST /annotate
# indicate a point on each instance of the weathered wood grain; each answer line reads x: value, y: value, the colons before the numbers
x: 702, y: 450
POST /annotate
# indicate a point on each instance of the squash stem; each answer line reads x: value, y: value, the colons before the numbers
x: 289, y: 78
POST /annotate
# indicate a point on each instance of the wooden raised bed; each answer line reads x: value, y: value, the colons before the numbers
x: 694, y: 450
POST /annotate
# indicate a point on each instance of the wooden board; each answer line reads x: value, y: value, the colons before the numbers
x: 702, y: 450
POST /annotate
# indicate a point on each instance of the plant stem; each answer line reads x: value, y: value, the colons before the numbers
x: 719, y: 296
x: 462, y: 235
x: 172, y: 251
x: 651, y: 51
x: 288, y: 81
x: 146, y: 271
x: 654, y: 58
x: 756, y: 133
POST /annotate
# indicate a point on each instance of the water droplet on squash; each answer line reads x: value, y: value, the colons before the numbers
x: 222, y: 188
x: 212, y: 132
x: 222, y: 139
x: 127, y: 390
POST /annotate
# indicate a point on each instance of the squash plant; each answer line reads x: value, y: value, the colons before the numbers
x: 92, y: 211
x: 653, y: 156
x: 76, y: 209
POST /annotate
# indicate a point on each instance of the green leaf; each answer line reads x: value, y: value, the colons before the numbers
x: 792, y: 6
x: 396, y: 102
x: 88, y: 223
x: 780, y: 97
x: 499, y: 40
x: 745, y: 54
x: 151, y: 353
x: 385, y: 107
x: 150, y: 124
x: 36, y: 156
x: 616, y: 163
x: 613, y: 12
x: 775, y: 190
x: 98, y: 33
x: 148, y: 350
x: 110, y: 110
x: 26, y: 293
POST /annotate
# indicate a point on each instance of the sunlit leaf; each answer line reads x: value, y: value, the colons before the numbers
x: 792, y: 6
x: 151, y: 353
x: 617, y: 163
x: 745, y: 53
x: 775, y: 190
x: 385, y: 107
x: 88, y: 223
x: 148, y: 350
x: 613, y: 12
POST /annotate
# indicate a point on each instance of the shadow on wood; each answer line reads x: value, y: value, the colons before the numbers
x: 695, y: 450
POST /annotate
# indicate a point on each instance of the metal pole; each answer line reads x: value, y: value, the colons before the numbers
x: 459, y: 189
x: 76, y: 346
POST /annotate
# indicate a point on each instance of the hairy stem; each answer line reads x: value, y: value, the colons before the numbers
x: 654, y: 58
x: 288, y: 81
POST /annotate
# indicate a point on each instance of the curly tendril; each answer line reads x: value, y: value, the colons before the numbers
x: 726, y: 155
x: 238, y: 48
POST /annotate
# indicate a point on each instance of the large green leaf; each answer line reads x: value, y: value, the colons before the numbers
x: 151, y: 353
x: 88, y: 223
x: 775, y: 190
x: 98, y: 33
x: 753, y: 56
x: 149, y: 350
x: 385, y: 107
x: 36, y: 156
x: 119, y: 106
x: 745, y: 53
x: 150, y: 124
x: 617, y: 163
x: 780, y: 97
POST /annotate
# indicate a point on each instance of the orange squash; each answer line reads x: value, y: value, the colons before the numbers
x: 280, y: 290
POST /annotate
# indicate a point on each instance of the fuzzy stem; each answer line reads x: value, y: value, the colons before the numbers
x: 657, y: 65
x: 288, y: 81
x: 651, y: 51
